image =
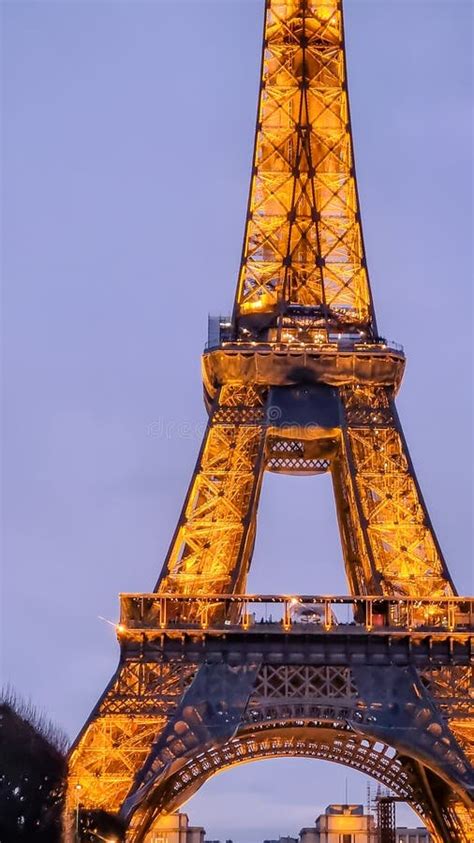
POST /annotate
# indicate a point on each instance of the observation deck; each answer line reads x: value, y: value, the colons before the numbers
x: 335, y: 359
x: 339, y: 629
x: 308, y: 613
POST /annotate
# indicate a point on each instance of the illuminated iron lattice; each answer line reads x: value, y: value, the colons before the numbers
x: 297, y: 381
x: 303, y: 241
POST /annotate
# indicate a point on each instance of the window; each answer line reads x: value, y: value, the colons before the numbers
x: 346, y: 838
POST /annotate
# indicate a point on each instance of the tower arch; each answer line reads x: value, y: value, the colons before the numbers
x: 324, y: 741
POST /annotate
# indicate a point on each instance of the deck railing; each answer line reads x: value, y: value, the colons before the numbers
x: 220, y: 334
x: 302, y: 613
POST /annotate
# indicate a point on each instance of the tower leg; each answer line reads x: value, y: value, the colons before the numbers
x: 389, y: 542
x: 210, y: 553
x: 115, y: 742
x: 213, y: 542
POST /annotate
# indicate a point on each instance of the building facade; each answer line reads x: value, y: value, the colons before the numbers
x: 175, y: 828
x: 338, y: 824
x: 341, y: 824
x: 412, y: 835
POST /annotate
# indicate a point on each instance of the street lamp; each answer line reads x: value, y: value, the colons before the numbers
x: 77, y: 788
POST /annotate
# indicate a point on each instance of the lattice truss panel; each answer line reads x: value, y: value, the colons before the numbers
x: 400, y: 546
x: 212, y: 541
x: 463, y: 822
x: 288, y: 455
x: 301, y: 691
x: 118, y: 737
x: 453, y: 689
x: 287, y: 682
x: 303, y: 241
x: 105, y: 761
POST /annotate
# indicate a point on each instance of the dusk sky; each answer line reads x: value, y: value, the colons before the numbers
x: 127, y: 138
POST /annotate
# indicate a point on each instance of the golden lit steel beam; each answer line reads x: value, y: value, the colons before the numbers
x: 117, y: 737
x: 389, y: 542
x: 210, y: 551
x: 303, y: 241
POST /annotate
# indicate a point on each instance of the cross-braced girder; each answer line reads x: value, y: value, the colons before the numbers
x: 115, y: 742
x: 303, y: 242
x: 453, y: 690
x: 400, y: 552
x: 214, y: 538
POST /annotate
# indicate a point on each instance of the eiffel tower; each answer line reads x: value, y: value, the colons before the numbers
x: 297, y: 381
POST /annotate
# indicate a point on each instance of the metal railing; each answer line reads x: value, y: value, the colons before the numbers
x: 220, y: 329
x: 303, y: 613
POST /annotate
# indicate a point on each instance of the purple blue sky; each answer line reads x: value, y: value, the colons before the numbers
x: 127, y: 137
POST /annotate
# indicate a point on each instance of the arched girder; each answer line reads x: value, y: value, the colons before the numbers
x: 312, y: 739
